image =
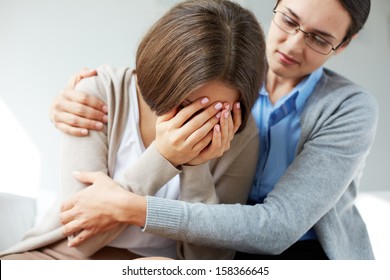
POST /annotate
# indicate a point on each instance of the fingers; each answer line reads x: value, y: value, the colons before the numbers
x: 237, y: 116
x: 167, y: 116
x: 81, y: 98
x: 187, y: 112
x: 75, y: 113
x: 86, y: 177
x: 203, y: 128
x: 201, y: 119
x: 75, y: 131
x: 71, y: 228
x: 83, y: 73
x: 80, y: 238
x: 86, y: 73
x: 204, y: 142
x: 226, y: 124
x: 68, y: 122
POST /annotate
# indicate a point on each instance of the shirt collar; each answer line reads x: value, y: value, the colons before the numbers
x: 306, y: 87
x: 303, y: 89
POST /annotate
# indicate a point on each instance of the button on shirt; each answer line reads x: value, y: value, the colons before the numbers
x: 280, y: 130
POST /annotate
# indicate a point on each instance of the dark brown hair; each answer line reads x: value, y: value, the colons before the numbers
x: 198, y: 41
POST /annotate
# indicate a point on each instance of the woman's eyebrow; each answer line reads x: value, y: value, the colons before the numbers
x: 315, y: 31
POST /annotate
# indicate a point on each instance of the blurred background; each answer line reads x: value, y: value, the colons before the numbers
x: 44, y: 42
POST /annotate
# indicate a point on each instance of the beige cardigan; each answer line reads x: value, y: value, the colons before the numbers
x: 232, y: 173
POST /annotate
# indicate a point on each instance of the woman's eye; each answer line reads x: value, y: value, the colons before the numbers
x: 288, y: 21
x: 319, y: 41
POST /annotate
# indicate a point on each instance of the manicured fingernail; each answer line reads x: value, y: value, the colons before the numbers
x: 204, y: 100
x: 227, y: 107
x: 238, y: 105
x: 98, y: 125
x: 84, y: 131
x: 218, y: 115
x: 217, y: 128
x: 218, y: 106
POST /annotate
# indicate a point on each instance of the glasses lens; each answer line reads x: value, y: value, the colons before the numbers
x: 318, y: 44
x: 285, y: 23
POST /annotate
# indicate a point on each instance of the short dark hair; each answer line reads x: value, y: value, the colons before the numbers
x: 358, y: 11
x: 196, y: 42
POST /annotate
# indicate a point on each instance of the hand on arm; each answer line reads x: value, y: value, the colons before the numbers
x: 195, y: 134
x: 76, y: 112
x: 100, y: 207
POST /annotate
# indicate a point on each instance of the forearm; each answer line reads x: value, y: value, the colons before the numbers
x: 149, y: 174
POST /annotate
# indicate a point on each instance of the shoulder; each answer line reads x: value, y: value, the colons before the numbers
x: 111, y: 74
x: 334, y: 90
x: 108, y: 80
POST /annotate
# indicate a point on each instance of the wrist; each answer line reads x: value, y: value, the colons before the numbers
x: 134, y: 210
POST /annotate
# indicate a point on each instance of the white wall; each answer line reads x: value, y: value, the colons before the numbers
x: 43, y: 42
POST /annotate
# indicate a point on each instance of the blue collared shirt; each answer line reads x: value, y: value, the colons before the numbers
x: 280, y: 130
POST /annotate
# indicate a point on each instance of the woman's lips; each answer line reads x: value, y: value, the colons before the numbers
x: 285, y: 59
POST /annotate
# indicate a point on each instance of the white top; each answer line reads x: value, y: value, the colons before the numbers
x: 130, y: 149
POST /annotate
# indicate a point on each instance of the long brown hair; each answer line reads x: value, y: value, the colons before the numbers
x: 199, y: 41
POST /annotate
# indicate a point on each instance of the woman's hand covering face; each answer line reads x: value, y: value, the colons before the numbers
x: 197, y: 132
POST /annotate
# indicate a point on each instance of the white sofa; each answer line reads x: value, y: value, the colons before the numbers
x: 18, y: 213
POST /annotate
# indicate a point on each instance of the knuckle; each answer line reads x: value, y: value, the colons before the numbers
x: 82, y: 97
x: 65, y: 230
x: 72, y: 121
x: 79, y: 110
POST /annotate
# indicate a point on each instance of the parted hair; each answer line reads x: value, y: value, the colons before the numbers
x: 198, y: 41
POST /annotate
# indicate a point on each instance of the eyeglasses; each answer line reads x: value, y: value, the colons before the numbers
x: 313, y: 41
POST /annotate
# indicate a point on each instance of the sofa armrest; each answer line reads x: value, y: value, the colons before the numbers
x: 17, y: 215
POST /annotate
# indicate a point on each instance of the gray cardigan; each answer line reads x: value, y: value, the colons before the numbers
x: 318, y: 189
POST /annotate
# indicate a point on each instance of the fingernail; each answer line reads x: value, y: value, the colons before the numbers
x: 70, y: 244
x: 217, y: 128
x: 105, y: 109
x: 105, y: 118
x: 204, y: 100
x: 227, y: 107
x: 238, y: 105
x: 98, y: 125
x: 218, y: 115
x: 84, y: 131
x: 218, y: 106
x: 226, y: 114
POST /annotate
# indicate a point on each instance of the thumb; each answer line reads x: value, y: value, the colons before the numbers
x: 83, y: 73
x: 85, y: 177
x: 87, y: 73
